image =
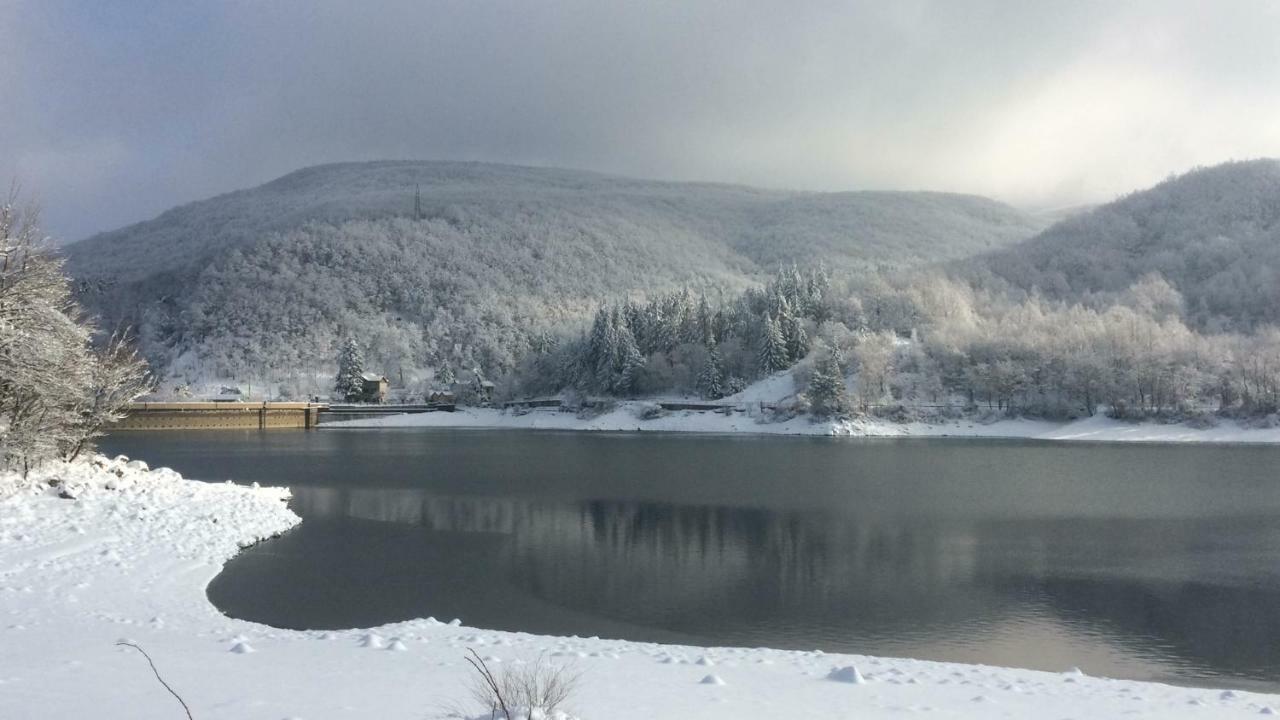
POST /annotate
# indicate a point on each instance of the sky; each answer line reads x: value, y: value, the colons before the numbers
x: 111, y: 113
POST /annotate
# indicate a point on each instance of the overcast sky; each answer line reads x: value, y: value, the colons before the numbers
x: 111, y: 112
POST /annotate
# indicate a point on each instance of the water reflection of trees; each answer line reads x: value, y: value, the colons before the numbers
x: 809, y: 578
x: 710, y: 568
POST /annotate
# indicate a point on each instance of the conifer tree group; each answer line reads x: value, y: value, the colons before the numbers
x: 626, y: 340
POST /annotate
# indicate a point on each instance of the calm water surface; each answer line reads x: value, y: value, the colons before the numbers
x: 1138, y: 561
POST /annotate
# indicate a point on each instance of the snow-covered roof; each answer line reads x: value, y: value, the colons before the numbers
x: 372, y: 377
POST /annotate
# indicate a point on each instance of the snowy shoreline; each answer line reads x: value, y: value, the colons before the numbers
x: 626, y: 417
x: 128, y: 553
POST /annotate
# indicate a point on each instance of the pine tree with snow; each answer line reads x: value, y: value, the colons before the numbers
x: 711, y: 379
x: 793, y: 334
x: 826, y: 391
x: 629, y: 361
x: 349, y: 383
x: 445, y: 376
x: 773, y: 349
x: 705, y: 332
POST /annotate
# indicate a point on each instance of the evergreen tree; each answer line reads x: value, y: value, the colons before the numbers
x: 816, y: 287
x: 711, y: 379
x: 793, y: 334
x: 349, y: 383
x: 827, y: 395
x: 773, y: 349
x: 446, y: 376
x: 704, y: 328
x: 663, y: 330
x: 629, y: 361
x: 606, y: 352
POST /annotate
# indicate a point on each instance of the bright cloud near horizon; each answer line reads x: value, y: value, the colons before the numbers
x: 115, y: 112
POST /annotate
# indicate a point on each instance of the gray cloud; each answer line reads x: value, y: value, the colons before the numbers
x: 115, y: 112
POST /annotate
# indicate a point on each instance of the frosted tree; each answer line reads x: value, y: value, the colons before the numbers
x: 826, y: 391
x: 711, y: 379
x: 117, y: 377
x: 349, y: 383
x: 704, y: 322
x: 446, y: 376
x: 55, y: 393
x: 773, y: 349
x: 793, y: 333
x: 629, y: 361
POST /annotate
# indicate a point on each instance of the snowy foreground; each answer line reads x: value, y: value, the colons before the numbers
x: 126, y: 555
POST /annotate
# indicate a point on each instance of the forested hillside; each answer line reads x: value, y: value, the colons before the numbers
x: 1162, y: 303
x: 427, y: 264
x: 1213, y: 234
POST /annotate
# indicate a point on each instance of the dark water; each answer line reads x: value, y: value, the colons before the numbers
x: 1139, y: 561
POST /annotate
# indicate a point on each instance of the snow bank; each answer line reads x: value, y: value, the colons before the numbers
x: 108, y: 551
x: 627, y: 416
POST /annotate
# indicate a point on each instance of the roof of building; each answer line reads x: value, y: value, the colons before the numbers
x: 372, y: 377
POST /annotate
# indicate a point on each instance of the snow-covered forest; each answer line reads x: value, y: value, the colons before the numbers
x: 1162, y: 303
x: 471, y: 264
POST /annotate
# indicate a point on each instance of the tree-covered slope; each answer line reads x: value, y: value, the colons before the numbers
x: 1213, y: 233
x: 428, y: 262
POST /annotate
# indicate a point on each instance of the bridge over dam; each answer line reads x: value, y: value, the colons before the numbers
x: 211, y: 415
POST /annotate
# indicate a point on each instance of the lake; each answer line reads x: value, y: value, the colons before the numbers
x: 1151, y: 562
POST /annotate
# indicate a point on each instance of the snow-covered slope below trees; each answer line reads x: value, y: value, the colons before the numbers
x: 428, y: 262
x: 128, y: 557
x: 751, y: 413
x: 630, y: 416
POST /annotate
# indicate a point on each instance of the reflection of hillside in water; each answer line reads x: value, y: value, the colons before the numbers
x: 805, y: 578
x: 706, y: 569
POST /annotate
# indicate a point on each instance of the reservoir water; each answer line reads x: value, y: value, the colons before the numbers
x: 1153, y: 562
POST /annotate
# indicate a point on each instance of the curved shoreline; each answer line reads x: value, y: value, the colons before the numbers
x: 130, y: 558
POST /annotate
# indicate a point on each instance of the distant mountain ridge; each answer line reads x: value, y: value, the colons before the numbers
x: 267, y: 280
x: 1213, y: 233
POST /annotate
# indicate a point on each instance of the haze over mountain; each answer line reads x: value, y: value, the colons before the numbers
x: 268, y: 280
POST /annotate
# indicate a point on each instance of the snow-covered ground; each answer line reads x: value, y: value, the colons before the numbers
x: 627, y: 417
x: 127, y: 553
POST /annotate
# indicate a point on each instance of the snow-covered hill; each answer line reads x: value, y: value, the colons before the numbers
x: 1213, y: 233
x: 428, y: 261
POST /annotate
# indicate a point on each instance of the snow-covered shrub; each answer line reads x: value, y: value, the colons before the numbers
x: 1200, y: 420
x: 596, y: 408
x: 734, y: 385
x: 535, y: 690
x: 649, y: 411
